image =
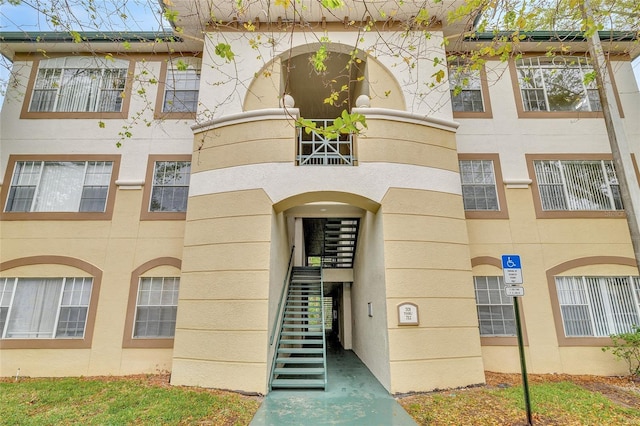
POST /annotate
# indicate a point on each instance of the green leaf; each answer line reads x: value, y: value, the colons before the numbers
x: 332, y: 4
x: 589, y: 77
x: 318, y: 59
x: 77, y: 38
x: 171, y: 15
x: 181, y: 65
x: 224, y: 51
x: 439, y: 76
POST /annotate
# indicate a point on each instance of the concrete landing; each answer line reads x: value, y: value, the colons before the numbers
x: 353, y: 397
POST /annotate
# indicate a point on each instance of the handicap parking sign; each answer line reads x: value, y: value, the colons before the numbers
x: 512, y: 269
x: 511, y: 261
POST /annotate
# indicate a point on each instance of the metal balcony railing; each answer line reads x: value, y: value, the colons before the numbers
x: 315, y: 149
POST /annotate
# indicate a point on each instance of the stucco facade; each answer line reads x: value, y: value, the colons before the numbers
x: 249, y: 195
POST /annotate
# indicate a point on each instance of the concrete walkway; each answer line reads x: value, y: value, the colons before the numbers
x: 353, y: 397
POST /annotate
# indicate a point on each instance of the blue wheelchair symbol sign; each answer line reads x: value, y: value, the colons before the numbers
x: 511, y: 261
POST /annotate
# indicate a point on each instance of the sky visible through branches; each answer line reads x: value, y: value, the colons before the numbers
x: 114, y: 15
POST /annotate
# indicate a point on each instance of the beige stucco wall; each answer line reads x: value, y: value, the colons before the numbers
x: 542, y: 245
x: 116, y: 248
x: 546, y: 243
x: 370, y: 337
x: 267, y: 86
x: 407, y: 89
x: 424, y: 249
x: 427, y: 263
x: 221, y: 329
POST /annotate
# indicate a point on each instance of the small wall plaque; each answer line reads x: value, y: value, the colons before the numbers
x: 408, y: 314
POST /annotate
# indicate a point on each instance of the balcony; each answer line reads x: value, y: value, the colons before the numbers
x: 315, y: 149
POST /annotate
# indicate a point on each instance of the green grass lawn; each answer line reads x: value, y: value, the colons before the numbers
x: 559, y: 403
x: 118, y: 401
x: 150, y: 400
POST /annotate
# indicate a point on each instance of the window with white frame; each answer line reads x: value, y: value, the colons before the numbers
x: 557, y: 83
x: 478, y: 185
x: 156, y: 307
x: 79, y: 84
x: 59, y: 186
x: 170, y: 186
x: 577, y: 185
x: 465, y: 87
x: 598, y: 306
x: 496, y: 315
x: 182, y: 85
x: 44, y: 308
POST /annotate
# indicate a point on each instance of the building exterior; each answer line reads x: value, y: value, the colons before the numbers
x: 172, y: 251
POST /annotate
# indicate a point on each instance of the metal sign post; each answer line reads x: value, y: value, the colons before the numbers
x: 512, y: 270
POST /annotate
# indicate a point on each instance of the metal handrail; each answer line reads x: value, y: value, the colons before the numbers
x: 324, y: 337
x: 285, y: 285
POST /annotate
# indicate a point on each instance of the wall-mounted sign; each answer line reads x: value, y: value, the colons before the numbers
x: 408, y: 314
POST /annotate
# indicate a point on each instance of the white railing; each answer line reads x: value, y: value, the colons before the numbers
x: 315, y: 149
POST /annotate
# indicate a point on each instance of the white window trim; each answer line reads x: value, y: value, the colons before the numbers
x: 567, y: 199
x: 634, y: 287
x: 80, y: 62
x: 533, y: 64
x: 57, y: 314
x: 454, y: 77
x: 137, y: 305
x: 494, y: 185
x: 155, y: 185
x: 502, y: 296
x: 39, y: 184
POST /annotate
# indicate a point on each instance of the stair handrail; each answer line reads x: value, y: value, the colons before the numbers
x: 278, y: 320
x: 324, y: 337
x: 285, y: 285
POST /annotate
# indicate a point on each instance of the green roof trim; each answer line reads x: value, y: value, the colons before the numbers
x: 87, y: 36
x: 551, y: 36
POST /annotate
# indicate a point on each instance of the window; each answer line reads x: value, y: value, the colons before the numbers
x: 465, y: 87
x: 59, y: 186
x: 156, y: 308
x: 557, y: 84
x: 170, y: 186
x: 181, y: 88
x: 79, y: 84
x: 44, y: 308
x: 598, y: 306
x: 478, y: 185
x: 577, y: 185
x: 496, y: 315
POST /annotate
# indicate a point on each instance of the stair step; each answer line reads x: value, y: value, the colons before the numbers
x: 299, y: 370
x: 300, y: 350
x: 301, y: 333
x: 300, y: 327
x: 302, y: 308
x: 301, y: 341
x: 298, y: 383
x: 301, y: 364
x: 299, y: 360
x: 298, y: 316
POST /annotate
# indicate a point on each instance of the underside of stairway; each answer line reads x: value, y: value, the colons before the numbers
x: 301, y: 353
